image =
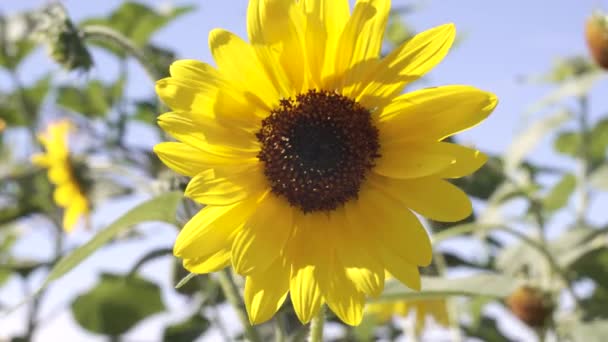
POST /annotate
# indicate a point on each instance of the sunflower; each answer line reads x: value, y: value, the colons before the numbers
x: 309, y: 161
x: 424, y: 308
x: 64, y: 172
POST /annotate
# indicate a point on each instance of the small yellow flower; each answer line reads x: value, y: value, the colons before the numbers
x: 424, y: 308
x: 310, y: 161
x: 62, y: 172
x: 2, y: 125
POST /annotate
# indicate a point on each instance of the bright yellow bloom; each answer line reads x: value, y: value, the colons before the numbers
x: 2, y: 125
x: 435, y: 308
x: 310, y: 161
x: 69, y: 191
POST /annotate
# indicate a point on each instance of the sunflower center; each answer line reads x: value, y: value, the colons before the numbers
x: 317, y: 149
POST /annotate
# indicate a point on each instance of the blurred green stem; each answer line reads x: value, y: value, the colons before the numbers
x: 540, y: 247
x: 106, y: 34
x: 279, y: 330
x: 26, y: 107
x: 232, y: 294
x: 442, y: 266
x: 584, y: 159
x: 316, y: 326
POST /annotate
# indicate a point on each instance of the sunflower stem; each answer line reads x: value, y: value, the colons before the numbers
x: 106, y: 34
x: 584, y: 159
x: 316, y: 326
x: 232, y: 294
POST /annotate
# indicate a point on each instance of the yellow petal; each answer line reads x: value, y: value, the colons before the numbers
x: 407, y: 159
x: 342, y: 296
x: 213, y: 228
x: 263, y: 236
x: 217, y: 188
x: 403, y: 271
x: 208, y: 132
x: 305, y: 292
x: 200, y: 90
x: 72, y: 214
x: 395, y: 226
x: 358, y: 255
x: 325, y: 21
x: 212, y: 262
x: 189, y: 161
x: 279, y: 25
x: 60, y: 173
x: 431, y: 197
x: 266, y: 291
x: 64, y: 194
x: 467, y: 161
x: 360, y: 41
x: 407, y: 63
x: 307, y: 253
x: 238, y: 63
x: 436, y: 113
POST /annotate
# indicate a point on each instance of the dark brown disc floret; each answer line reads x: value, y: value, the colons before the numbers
x: 317, y: 149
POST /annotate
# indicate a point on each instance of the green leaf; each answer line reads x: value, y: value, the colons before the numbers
x: 137, y: 22
x: 18, y: 107
x: 576, y: 87
x: 485, y: 181
x: 599, y: 178
x: 593, y: 265
x: 484, y: 284
x: 559, y: 195
x: 595, y: 331
x: 93, y: 100
x: 161, y: 208
x: 116, y: 304
x: 146, y: 112
x: 568, y: 143
x: 525, y: 142
x: 186, y: 331
x: 13, y: 50
x: 599, y: 140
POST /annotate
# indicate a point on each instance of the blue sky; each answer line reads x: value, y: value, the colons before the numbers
x: 503, y: 41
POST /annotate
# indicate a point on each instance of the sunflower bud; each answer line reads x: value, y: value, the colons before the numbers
x: 55, y: 29
x: 531, y: 305
x: 596, y: 33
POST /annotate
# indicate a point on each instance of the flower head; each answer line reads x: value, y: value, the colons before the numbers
x: 64, y: 172
x: 435, y: 308
x: 309, y: 161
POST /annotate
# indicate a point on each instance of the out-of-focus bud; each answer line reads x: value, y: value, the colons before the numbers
x: 596, y: 33
x: 531, y: 305
x: 2, y: 125
x: 55, y: 29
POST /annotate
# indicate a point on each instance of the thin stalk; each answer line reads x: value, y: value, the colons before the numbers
x: 316, y: 326
x: 584, y: 159
x: 232, y: 294
x: 452, y: 309
x: 279, y: 328
x: 106, y: 34
x: 563, y: 275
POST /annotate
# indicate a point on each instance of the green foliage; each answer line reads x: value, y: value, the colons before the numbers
x: 186, y: 331
x: 161, y: 208
x: 23, y: 105
x: 484, y: 284
x: 137, y: 22
x: 569, y: 142
x: 94, y: 99
x: 116, y: 304
x: 558, y: 197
